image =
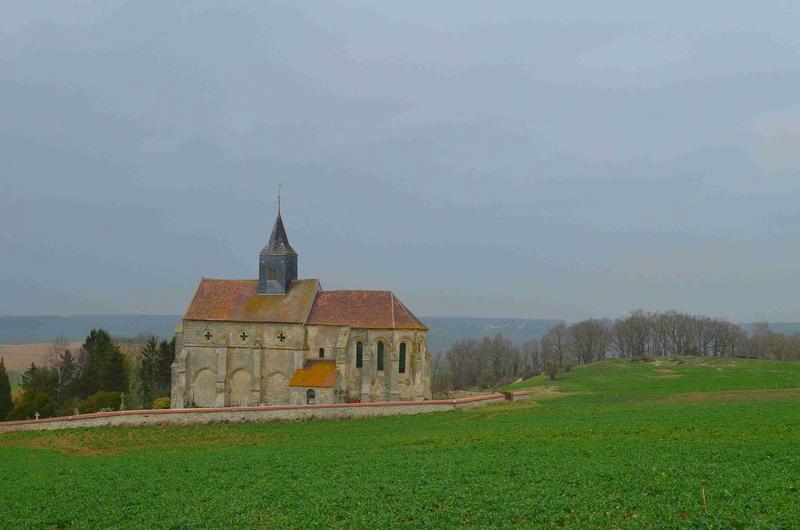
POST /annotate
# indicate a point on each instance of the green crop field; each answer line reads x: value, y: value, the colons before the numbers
x: 669, y: 444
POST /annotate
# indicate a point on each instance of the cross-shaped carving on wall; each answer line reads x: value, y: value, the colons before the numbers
x: 207, y: 335
x: 281, y: 337
x: 243, y: 336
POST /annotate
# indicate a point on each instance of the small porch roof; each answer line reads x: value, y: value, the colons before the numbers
x: 315, y: 374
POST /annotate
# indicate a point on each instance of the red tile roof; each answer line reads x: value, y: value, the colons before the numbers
x: 304, y: 302
x: 239, y: 301
x: 362, y: 309
x: 319, y: 374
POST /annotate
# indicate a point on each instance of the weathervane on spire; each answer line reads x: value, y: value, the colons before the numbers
x: 279, y: 199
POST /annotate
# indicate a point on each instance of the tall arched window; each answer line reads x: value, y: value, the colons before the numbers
x: 380, y: 356
x: 359, y: 354
x: 311, y: 397
x: 322, y: 353
x: 402, y: 360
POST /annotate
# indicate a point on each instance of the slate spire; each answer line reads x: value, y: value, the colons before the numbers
x: 278, y: 241
x: 277, y: 265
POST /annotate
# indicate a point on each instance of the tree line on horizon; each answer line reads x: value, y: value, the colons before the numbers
x: 98, y: 376
x: 101, y: 376
x: 490, y: 362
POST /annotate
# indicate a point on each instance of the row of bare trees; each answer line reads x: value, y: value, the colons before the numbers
x: 658, y: 334
x: 491, y: 361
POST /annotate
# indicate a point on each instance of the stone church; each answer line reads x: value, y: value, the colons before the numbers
x: 280, y: 340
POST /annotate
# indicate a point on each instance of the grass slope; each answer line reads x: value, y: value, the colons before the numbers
x: 615, y: 444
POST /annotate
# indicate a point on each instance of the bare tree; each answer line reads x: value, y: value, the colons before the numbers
x: 588, y: 341
x: 680, y: 333
x: 490, y: 361
x: 630, y: 337
x: 555, y: 345
x: 532, y: 357
x: 56, y: 350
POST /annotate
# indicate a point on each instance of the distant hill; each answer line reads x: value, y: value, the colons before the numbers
x: 444, y: 331
x: 788, y: 328
x: 32, y: 329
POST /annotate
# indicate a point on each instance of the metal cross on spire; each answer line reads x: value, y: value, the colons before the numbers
x: 279, y: 199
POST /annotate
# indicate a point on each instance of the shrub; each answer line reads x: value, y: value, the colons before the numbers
x: 486, y: 378
x: 69, y: 406
x: 161, y: 403
x: 101, y: 401
x: 552, y: 369
x: 30, y: 404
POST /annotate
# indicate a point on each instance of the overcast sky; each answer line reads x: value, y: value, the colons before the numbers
x: 478, y: 158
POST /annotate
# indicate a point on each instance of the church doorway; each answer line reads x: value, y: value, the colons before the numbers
x: 311, y: 397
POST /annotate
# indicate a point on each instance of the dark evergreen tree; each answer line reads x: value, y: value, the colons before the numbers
x: 29, y: 375
x: 103, y: 365
x: 114, y: 372
x: 39, y: 384
x: 6, y: 404
x: 40, y: 379
x: 166, y: 356
x: 148, y: 372
x: 68, y: 376
x: 94, y: 352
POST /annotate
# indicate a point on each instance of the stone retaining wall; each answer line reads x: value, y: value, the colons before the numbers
x: 132, y: 418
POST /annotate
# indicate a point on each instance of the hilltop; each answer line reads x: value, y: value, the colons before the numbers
x: 685, y: 442
x: 47, y: 328
x: 641, y: 380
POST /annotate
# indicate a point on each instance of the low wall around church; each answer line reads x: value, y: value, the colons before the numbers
x: 134, y: 418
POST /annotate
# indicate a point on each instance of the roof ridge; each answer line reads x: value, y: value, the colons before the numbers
x: 408, y: 312
x: 202, y: 278
x: 362, y: 309
x: 317, y: 290
x: 394, y: 322
x: 233, y: 300
x: 359, y: 291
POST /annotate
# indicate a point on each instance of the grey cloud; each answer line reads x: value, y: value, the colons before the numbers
x: 543, y: 161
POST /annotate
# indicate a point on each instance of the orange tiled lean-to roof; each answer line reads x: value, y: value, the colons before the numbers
x: 319, y: 374
x: 362, y: 309
x: 239, y: 301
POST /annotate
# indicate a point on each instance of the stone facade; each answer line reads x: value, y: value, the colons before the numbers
x: 216, y: 367
x: 240, y: 344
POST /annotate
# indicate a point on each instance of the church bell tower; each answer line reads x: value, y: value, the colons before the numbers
x: 277, y: 265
